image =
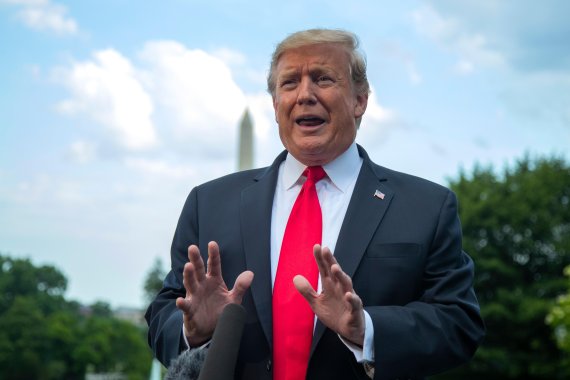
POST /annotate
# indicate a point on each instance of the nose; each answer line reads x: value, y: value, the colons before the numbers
x: 306, y: 94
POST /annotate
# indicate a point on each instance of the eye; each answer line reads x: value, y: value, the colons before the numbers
x: 324, y: 80
x: 287, y: 84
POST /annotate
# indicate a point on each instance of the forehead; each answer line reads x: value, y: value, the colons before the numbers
x: 322, y: 56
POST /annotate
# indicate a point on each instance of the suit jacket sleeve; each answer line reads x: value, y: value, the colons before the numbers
x: 165, y: 321
x: 442, y: 328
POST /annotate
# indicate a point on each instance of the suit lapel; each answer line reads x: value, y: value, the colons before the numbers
x: 363, y: 216
x: 255, y: 218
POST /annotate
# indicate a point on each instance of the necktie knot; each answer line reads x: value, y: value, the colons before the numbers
x: 315, y: 173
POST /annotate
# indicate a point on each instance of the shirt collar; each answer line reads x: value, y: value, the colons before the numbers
x: 341, y: 171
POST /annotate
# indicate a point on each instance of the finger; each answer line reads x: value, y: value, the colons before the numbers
x: 197, y: 262
x: 304, y: 287
x: 354, y: 301
x: 243, y: 282
x: 214, y: 261
x: 328, y: 257
x: 184, y: 305
x: 324, y: 269
x: 189, y: 278
x: 343, y: 280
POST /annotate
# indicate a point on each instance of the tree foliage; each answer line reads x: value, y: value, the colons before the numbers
x: 44, y: 336
x: 516, y: 227
x: 559, y: 319
x: 153, y: 280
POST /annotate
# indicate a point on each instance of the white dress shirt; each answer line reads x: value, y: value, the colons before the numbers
x: 334, y: 192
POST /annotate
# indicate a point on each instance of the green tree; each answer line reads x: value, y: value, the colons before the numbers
x: 113, y: 345
x: 44, y: 336
x: 21, y: 278
x: 559, y: 320
x: 23, y: 340
x: 153, y: 280
x: 101, y: 309
x: 28, y: 294
x: 516, y: 227
x: 63, y: 330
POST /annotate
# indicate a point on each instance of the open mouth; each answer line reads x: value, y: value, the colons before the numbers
x: 309, y: 121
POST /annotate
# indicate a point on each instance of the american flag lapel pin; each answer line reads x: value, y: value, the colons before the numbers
x: 378, y: 194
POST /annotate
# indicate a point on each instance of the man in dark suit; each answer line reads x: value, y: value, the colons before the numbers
x: 394, y: 296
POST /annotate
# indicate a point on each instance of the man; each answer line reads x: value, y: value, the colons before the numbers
x: 392, y: 296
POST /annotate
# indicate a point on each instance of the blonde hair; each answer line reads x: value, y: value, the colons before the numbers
x: 322, y: 36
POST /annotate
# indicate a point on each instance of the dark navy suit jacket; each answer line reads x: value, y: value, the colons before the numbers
x: 403, y: 253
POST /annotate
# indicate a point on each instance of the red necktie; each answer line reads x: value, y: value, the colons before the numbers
x: 293, y: 318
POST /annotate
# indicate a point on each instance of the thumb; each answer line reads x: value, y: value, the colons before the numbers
x: 243, y: 282
x: 304, y: 287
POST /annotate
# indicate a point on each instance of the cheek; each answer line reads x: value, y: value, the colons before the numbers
x: 281, y: 109
x: 347, y: 135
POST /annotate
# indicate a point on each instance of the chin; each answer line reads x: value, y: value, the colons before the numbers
x: 312, y: 157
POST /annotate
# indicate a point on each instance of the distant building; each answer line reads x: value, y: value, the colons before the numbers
x: 245, y: 147
x: 131, y: 314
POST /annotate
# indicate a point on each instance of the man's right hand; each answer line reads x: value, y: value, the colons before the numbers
x: 207, y: 294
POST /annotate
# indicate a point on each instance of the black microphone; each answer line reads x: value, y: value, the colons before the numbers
x: 222, y: 354
x: 187, y: 365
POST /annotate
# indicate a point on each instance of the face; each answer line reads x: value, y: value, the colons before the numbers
x: 315, y: 102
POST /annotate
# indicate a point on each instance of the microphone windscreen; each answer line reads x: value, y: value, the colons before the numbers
x: 222, y: 355
x: 187, y: 365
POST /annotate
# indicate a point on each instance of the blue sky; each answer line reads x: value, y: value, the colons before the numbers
x: 111, y: 111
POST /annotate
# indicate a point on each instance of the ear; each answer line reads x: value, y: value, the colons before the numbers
x: 360, y: 105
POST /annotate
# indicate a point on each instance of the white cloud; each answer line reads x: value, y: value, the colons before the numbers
x: 44, y: 191
x: 44, y: 15
x: 195, y: 106
x: 375, y: 113
x: 82, y: 151
x: 108, y: 90
x: 184, y: 98
x: 521, y: 35
x: 25, y: 2
x: 525, y: 43
x: 472, y: 47
x: 377, y: 124
x: 52, y: 17
x: 196, y: 85
x: 196, y: 97
x: 229, y: 56
x: 160, y: 168
x: 33, y: 189
x: 464, y: 67
x: 394, y: 50
x: 70, y: 193
x: 431, y: 24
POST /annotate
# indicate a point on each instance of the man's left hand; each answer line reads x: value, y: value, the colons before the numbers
x: 337, y: 306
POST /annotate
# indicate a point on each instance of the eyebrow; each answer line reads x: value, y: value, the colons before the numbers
x: 316, y: 70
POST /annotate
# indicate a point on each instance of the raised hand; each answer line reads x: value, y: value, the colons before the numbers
x: 337, y: 306
x: 207, y: 293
